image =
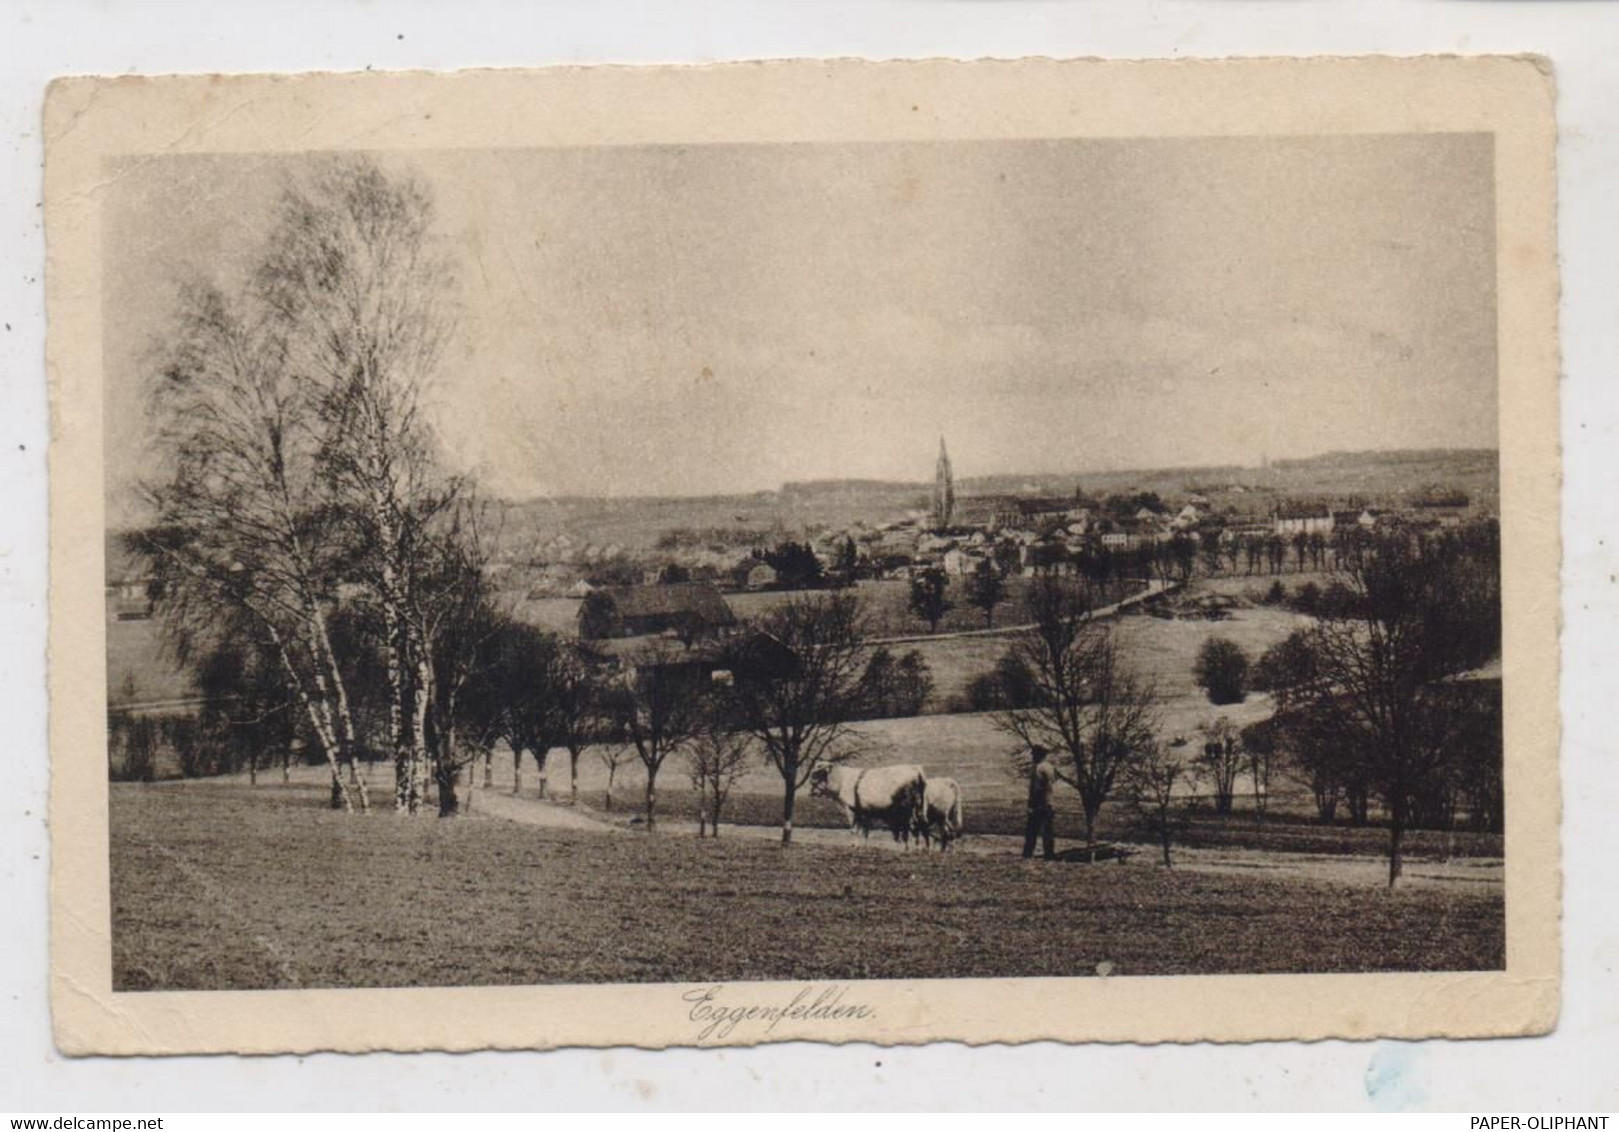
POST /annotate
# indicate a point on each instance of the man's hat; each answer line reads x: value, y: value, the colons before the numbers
x: 1038, y: 752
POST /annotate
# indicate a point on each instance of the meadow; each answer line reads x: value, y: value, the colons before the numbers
x: 219, y: 885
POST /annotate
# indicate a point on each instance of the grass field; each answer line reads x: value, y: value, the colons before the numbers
x: 216, y: 885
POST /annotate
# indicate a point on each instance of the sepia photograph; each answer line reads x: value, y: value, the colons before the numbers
x: 804, y: 562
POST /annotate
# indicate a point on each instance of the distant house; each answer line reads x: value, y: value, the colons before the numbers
x: 131, y: 585
x: 1044, y: 557
x: 1290, y: 521
x: 763, y: 577
x: 689, y: 608
x: 960, y: 562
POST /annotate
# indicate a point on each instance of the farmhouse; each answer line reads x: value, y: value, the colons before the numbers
x: 695, y: 608
x: 751, y: 655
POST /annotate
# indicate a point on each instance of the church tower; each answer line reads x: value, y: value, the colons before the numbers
x: 944, y: 490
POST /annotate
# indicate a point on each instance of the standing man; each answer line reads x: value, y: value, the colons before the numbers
x: 1042, y: 776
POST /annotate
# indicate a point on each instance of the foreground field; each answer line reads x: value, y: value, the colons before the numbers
x: 216, y: 885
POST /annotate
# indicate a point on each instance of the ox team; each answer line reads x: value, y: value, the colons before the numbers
x: 899, y: 798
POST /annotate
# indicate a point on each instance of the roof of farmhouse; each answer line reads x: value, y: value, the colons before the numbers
x: 700, y: 599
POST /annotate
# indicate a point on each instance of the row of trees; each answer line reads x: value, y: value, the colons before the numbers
x: 798, y: 681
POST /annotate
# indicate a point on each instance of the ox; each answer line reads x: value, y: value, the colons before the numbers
x: 891, y: 796
x: 941, y: 812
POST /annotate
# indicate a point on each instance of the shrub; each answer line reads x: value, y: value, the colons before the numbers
x: 1307, y: 599
x: 894, y: 687
x: 1009, y: 685
x: 1221, y: 670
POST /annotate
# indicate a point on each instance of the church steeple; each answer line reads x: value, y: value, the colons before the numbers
x: 944, y: 490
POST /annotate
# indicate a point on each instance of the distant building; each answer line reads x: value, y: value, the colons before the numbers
x: 944, y: 491
x: 131, y: 584
x: 1290, y: 521
x: 695, y: 608
x: 959, y: 562
x: 1044, y: 557
x: 763, y: 577
x: 1010, y: 512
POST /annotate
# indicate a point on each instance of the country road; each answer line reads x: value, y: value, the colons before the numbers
x: 1368, y: 871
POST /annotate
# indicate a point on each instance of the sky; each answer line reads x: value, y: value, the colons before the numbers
x: 725, y: 318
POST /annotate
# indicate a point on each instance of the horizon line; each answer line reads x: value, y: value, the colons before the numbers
x: 925, y: 484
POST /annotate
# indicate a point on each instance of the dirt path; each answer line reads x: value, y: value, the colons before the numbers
x: 1154, y: 588
x: 495, y: 803
x: 1360, y: 871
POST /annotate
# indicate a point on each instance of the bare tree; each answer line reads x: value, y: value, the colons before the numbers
x: 719, y: 757
x: 1090, y: 710
x: 509, y: 698
x: 613, y: 755
x: 457, y: 627
x: 986, y: 589
x: 1258, y: 742
x: 796, y: 684
x: 1418, y: 613
x: 659, y: 709
x: 1149, y: 784
x: 1222, y: 760
x: 928, y: 600
x: 576, y: 705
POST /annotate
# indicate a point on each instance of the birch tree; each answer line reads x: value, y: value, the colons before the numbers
x: 238, y: 534
x: 359, y: 295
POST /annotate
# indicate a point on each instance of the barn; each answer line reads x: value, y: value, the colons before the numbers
x: 697, y: 609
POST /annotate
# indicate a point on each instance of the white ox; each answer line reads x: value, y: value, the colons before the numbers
x: 941, y: 812
x: 891, y: 796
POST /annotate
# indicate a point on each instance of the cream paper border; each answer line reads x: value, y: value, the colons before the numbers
x: 88, y: 120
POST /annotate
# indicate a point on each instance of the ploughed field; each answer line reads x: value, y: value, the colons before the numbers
x: 218, y: 885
